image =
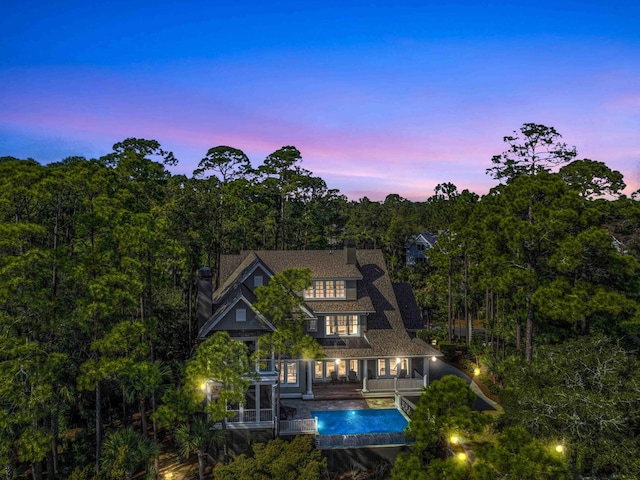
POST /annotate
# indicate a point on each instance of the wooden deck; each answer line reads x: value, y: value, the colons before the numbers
x: 337, y: 391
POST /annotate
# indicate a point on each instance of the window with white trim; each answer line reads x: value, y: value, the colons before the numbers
x: 241, y: 314
x: 326, y: 289
x: 341, y: 325
x: 289, y: 372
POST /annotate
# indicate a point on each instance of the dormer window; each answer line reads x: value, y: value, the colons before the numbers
x: 326, y: 289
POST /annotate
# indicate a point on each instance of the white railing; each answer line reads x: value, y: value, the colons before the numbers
x: 250, y: 416
x: 392, y: 384
x: 295, y: 427
x: 409, y: 384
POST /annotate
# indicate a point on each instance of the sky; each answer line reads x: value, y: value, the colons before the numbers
x: 380, y: 97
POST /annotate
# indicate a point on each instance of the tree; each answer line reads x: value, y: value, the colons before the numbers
x: 196, y: 437
x: 277, y: 460
x: 586, y: 392
x: 125, y: 452
x: 444, y: 409
x: 537, y: 148
x: 517, y: 454
x: 592, y: 179
x: 281, y: 304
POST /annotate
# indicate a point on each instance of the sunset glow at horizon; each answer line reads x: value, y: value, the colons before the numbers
x: 379, y: 99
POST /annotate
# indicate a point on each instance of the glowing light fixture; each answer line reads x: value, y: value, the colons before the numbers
x: 434, y: 359
x: 462, y: 456
x: 476, y: 371
x: 559, y: 448
x: 454, y: 439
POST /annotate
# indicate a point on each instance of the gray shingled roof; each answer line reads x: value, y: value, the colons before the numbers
x: 409, y: 309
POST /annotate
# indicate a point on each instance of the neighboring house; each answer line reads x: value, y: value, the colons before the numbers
x: 352, y: 309
x: 417, y: 246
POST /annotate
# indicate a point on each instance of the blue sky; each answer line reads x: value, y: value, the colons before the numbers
x: 380, y: 98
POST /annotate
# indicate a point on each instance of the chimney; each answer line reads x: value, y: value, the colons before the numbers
x: 205, y: 293
x: 350, y: 251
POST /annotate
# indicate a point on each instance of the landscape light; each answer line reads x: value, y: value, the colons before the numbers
x: 559, y: 448
x: 476, y: 371
x: 454, y: 439
x: 462, y: 456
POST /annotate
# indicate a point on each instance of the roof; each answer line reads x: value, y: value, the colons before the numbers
x: 390, y: 309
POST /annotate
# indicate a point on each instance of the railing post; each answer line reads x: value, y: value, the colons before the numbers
x: 364, y: 384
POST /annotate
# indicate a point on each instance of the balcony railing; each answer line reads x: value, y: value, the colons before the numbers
x: 296, y: 427
x: 245, y: 415
x: 393, y: 384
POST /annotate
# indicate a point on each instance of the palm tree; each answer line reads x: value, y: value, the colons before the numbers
x: 196, y: 437
x: 124, y: 452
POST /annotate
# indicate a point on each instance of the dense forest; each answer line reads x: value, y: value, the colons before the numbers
x: 98, y: 262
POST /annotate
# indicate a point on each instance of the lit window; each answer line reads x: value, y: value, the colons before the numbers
x: 353, y: 367
x: 382, y: 367
x: 318, y: 370
x: 341, y: 325
x: 326, y: 289
x: 289, y: 372
x: 241, y: 315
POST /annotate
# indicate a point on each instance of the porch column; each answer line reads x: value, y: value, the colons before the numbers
x: 258, y: 416
x: 309, y: 394
x: 425, y: 368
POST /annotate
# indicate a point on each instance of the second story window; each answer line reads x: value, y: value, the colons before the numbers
x: 326, y: 289
x: 341, y: 325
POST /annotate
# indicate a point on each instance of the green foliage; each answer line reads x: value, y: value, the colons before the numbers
x: 125, y: 452
x: 277, y: 460
x: 517, y: 454
x: 585, y: 391
x: 444, y: 409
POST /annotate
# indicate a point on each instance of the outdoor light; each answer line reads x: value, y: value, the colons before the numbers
x: 397, y: 361
x: 476, y: 371
x: 454, y: 439
x: 434, y: 359
x: 462, y: 456
x: 559, y: 448
x: 337, y: 360
x: 204, y: 386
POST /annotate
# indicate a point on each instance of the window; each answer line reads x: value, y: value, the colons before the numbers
x: 318, y: 373
x: 342, y: 368
x: 353, y: 367
x: 257, y: 281
x: 398, y: 365
x: 289, y: 372
x: 312, y: 326
x: 382, y: 367
x: 341, y: 325
x: 326, y: 289
x: 241, y: 315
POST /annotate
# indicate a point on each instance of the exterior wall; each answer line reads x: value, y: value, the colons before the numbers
x: 229, y: 322
x: 250, y: 281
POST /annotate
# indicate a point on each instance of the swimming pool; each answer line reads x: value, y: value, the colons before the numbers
x: 346, y: 422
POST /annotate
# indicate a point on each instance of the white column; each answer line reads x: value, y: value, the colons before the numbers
x: 309, y: 394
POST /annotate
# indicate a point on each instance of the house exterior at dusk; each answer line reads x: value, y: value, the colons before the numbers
x: 361, y: 320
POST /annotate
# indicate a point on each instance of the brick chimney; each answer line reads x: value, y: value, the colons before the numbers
x: 205, y: 293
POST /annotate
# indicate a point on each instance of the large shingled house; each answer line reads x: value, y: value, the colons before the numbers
x: 352, y: 308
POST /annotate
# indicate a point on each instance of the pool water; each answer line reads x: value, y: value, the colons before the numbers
x: 346, y: 422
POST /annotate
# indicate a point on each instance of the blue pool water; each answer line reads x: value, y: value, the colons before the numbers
x: 346, y: 422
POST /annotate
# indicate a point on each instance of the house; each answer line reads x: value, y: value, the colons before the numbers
x: 351, y: 309
x: 417, y: 246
